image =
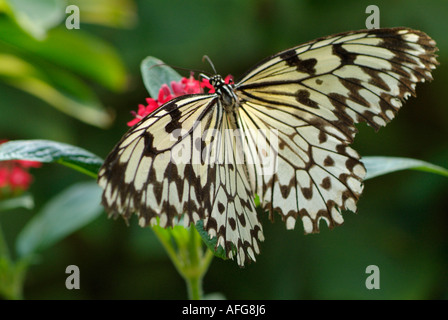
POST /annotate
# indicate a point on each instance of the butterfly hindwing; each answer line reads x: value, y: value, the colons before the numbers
x: 232, y: 214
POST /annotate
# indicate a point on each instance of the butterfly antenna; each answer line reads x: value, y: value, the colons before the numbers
x: 205, y: 57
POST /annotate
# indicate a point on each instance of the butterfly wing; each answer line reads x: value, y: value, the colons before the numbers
x: 181, y: 161
x: 305, y: 101
x: 313, y: 95
x: 233, y: 217
x: 151, y: 172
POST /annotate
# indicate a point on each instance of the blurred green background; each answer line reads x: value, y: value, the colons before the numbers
x: 92, y: 75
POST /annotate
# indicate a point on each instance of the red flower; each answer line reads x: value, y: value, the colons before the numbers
x: 14, y: 179
x: 14, y: 176
x: 29, y: 163
x: 4, y: 177
x: 165, y: 94
x: 143, y: 111
x: 185, y: 86
x: 19, y: 178
x: 191, y: 85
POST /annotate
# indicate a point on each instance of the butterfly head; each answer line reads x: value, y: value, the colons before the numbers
x: 225, y: 91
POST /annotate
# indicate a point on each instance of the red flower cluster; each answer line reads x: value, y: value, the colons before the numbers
x: 184, y: 86
x: 14, y: 176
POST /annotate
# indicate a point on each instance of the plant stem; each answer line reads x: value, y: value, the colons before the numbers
x: 193, y: 275
x: 194, y: 282
x: 189, y: 257
x: 169, y: 249
x: 194, y: 287
x: 4, y: 252
x: 209, y: 255
x: 12, y: 274
x: 12, y: 278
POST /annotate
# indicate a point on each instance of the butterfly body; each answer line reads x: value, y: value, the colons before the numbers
x: 225, y: 93
x: 283, y: 132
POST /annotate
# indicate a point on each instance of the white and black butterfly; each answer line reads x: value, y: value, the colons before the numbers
x: 304, y: 103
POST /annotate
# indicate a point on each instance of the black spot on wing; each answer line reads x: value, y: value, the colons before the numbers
x: 328, y: 162
x: 149, y: 150
x: 175, y: 115
x: 303, y: 96
x: 345, y: 56
x: 292, y: 59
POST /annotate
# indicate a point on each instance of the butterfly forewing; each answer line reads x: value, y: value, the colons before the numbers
x: 150, y: 171
x: 313, y: 95
x: 282, y: 133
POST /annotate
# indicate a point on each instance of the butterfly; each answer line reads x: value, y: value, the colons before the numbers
x: 282, y: 132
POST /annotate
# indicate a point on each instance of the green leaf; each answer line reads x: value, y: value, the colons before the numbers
x: 23, y: 201
x: 37, y: 17
x: 210, y: 242
x: 377, y: 166
x: 155, y: 73
x: 51, y: 151
x: 66, y: 213
x: 178, y: 233
x: 58, y: 88
x: 76, y: 51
